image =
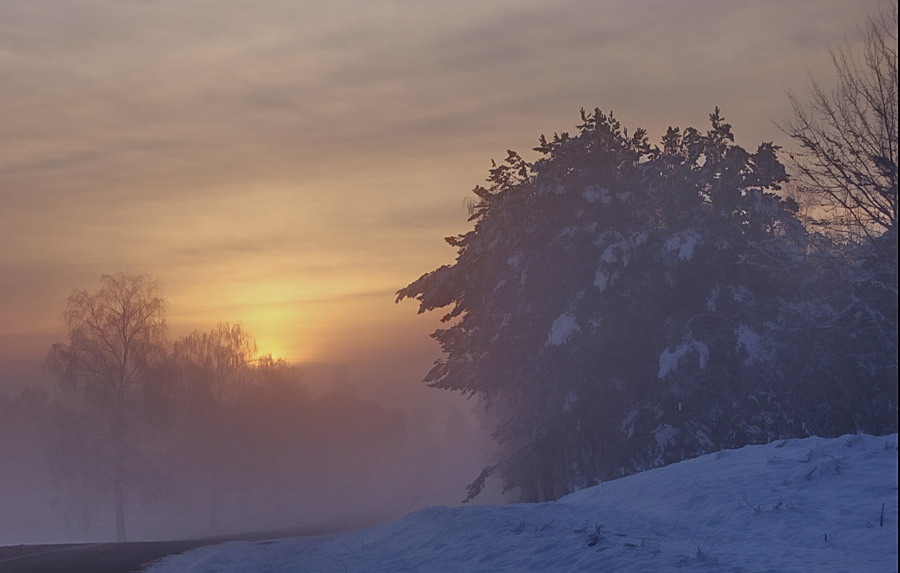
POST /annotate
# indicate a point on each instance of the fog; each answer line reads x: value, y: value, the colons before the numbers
x: 332, y: 444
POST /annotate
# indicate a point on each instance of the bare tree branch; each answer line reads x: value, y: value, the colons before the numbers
x: 847, y: 166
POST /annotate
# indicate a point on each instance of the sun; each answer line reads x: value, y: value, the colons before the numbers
x: 286, y: 319
x: 284, y: 331
x: 275, y: 338
x: 269, y: 348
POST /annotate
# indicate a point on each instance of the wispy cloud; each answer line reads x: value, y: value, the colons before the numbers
x: 332, y: 144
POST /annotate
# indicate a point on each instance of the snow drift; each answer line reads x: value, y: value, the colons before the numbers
x: 798, y: 505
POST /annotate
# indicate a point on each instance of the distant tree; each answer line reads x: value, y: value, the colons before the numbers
x: 210, y: 364
x: 619, y: 306
x: 847, y: 163
x: 116, y: 334
x: 212, y: 360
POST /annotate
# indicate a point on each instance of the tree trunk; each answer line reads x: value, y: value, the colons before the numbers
x: 120, y: 510
x: 214, y: 507
x: 118, y: 437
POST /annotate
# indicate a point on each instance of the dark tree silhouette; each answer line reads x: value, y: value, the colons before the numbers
x: 846, y: 171
x: 115, y: 336
x: 618, y: 306
x: 210, y: 364
x: 847, y: 166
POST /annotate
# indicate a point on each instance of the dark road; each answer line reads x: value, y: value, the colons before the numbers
x: 89, y: 558
x: 130, y: 557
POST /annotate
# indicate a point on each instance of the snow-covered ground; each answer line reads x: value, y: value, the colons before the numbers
x: 801, y: 505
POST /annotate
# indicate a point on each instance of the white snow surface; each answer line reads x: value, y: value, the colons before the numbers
x: 751, y: 342
x: 669, y: 359
x: 684, y: 242
x: 793, y: 506
x: 562, y: 329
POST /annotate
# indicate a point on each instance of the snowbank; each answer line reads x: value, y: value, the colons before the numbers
x: 801, y: 505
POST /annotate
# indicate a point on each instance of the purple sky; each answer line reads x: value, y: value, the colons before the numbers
x: 290, y: 164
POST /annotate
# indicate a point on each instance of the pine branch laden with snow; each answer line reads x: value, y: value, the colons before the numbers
x: 562, y: 329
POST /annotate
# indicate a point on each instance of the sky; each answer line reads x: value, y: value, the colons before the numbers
x: 291, y: 164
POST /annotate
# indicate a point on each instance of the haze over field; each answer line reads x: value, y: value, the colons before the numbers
x: 288, y: 167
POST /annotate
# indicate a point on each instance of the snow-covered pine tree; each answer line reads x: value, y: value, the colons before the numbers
x: 616, y: 305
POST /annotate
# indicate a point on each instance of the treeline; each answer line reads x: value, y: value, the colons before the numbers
x: 193, y: 437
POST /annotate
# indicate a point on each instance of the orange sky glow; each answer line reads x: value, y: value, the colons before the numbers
x: 289, y: 164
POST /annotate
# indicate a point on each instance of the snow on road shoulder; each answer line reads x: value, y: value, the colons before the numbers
x: 242, y: 557
x: 797, y: 505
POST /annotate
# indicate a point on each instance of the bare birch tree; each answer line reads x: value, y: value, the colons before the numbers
x: 115, y: 336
